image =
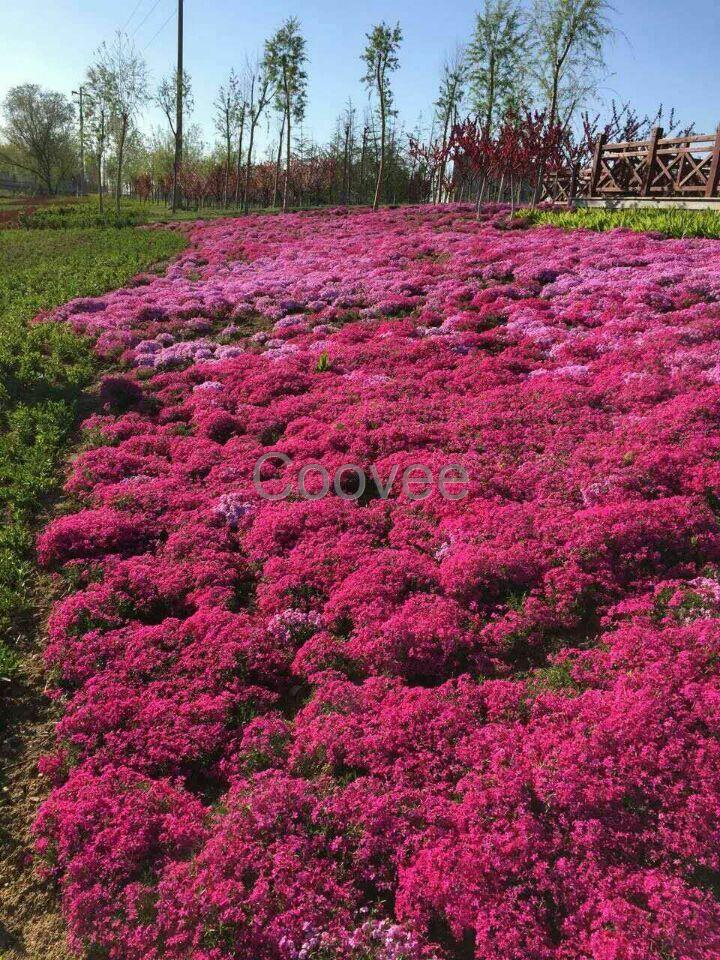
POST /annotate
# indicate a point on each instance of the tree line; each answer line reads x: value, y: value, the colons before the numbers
x: 512, y: 100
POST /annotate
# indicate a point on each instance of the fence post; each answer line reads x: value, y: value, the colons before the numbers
x: 657, y: 132
x: 597, y: 159
x: 714, y: 175
x: 573, y: 185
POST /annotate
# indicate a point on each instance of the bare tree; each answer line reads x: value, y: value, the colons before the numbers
x: 347, y: 133
x: 363, y: 159
x: 447, y: 105
x: 259, y: 93
x: 381, y: 59
x: 229, y: 116
x: 242, y: 117
x: 121, y: 75
x: 39, y: 132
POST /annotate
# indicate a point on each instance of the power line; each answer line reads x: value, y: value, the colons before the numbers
x: 145, y: 18
x: 158, y: 32
x: 135, y: 10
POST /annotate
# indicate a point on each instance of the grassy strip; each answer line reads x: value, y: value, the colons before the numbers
x: 71, y: 214
x: 671, y: 223
x: 43, y: 371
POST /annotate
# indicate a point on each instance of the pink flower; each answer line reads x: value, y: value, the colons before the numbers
x: 388, y: 729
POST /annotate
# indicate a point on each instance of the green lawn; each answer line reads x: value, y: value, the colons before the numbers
x: 44, y: 369
x: 70, y: 213
x: 85, y: 213
x: 671, y: 223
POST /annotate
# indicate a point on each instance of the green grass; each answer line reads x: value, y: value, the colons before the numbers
x: 74, y: 214
x: 82, y: 215
x: 44, y: 369
x: 671, y: 223
x: 70, y: 213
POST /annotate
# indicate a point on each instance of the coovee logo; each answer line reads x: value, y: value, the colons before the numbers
x: 350, y: 481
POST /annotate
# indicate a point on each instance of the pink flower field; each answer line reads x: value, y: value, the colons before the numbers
x: 394, y: 728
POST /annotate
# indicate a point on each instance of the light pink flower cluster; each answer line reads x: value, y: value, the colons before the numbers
x: 389, y: 729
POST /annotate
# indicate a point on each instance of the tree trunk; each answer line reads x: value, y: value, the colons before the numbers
x: 287, y: 134
x: 101, y: 200
x: 277, y: 163
x: 363, y: 153
x: 443, y: 162
x: 228, y: 150
x: 554, y: 98
x: 246, y: 189
x: 491, y: 96
x: 287, y: 165
x: 101, y: 146
x: 345, y: 165
x: 238, y: 167
x: 351, y: 147
x: 381, y: 164
x: 537, y: 192
x: 121, y: 148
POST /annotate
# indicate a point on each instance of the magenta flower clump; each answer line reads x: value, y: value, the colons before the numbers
x: 388, y: 728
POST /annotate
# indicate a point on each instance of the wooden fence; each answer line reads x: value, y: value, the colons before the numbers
x: 672, y: 167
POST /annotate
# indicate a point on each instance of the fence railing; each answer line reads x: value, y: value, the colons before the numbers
x: 671, y: 167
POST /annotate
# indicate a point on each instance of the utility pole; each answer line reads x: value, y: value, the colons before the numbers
x: 81, y: 183
x: 179, y: 108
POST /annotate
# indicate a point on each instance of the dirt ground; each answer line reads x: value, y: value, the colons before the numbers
x: 30, y: 924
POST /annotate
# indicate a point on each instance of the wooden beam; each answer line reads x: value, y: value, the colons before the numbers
x: 573, y: 186
x: 658, y: 167
x: 597, y: 161
x: 714, y: 175
x: 656, y: 134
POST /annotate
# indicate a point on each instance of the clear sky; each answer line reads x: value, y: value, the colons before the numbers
x: 668, y: 51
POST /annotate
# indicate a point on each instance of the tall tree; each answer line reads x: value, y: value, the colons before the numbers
x: 381, y: 60
x: 285, y: 60
x: 96, y: 126
x: 260, y: 91
x: 345, y: 147
x: 568, y: 39
x: 242, y: 118
x: 496, y: 59
x: 278, y: 160
x: 166, y: 98
x: 447, y: 106
x: 39, y: 132
x: 363, y: 159
x: 120, y: 73
x: 229, y: 116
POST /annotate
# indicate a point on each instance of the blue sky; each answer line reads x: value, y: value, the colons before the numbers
x: 668, y: 51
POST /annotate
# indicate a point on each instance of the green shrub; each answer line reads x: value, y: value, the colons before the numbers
x: 670, y: 222
x: 84, y: 214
